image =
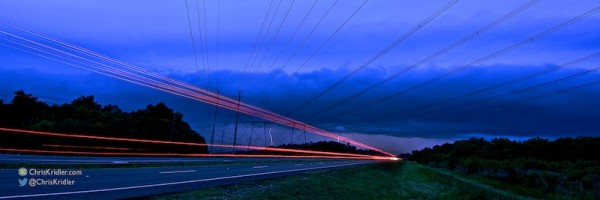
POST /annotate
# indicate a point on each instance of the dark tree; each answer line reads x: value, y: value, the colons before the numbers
x: 570, y: 166
x: 86, y: 116
x: 24, y: 109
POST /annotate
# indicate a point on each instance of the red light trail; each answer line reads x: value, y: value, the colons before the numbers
x: 191, y: 144
x: 140, y: 76
x: 187, y: 155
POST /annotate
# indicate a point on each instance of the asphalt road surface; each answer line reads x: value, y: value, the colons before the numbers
x: 39, y: 159
x: 117, y: 183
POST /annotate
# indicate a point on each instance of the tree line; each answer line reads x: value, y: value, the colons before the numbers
x: 328, y: 146
x: 85, y: 116
x: 566, y: 166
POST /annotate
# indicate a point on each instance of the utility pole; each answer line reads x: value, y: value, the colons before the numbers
x: 251, y: 131
x: 237, y: 116
x: 222, y: 139
x: 212, y: 134
x: 265, y: 132
x: 298, y: 136
x: 305, y: 133
x: 292, y: 138
x: 254, y: 137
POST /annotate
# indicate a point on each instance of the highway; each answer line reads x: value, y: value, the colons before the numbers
x: 116, y: 183
x: 45, y: 159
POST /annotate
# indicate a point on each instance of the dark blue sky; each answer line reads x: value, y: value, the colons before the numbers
x: 155, y: 35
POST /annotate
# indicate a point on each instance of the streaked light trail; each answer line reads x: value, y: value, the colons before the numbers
x: 188, y: 143
x: 188, y: 155
x: 98, y: 63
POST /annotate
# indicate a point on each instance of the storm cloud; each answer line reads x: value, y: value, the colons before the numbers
x: 561, y: 114
x: 156, y: 36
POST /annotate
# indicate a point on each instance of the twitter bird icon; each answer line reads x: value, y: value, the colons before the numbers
x: 22, y: 182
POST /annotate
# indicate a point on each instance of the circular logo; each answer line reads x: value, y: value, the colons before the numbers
x: 32, y: 182
x: 22, y: 171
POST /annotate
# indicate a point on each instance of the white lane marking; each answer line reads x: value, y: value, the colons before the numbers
x: 165, y: 184
x: 173, y: 172
x: 321, y: 163
x: 258, y: 167
x: 298, y: 164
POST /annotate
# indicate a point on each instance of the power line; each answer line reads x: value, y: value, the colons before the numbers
x: 212, y: 131
x: 206, y: 43
x: 272, y: 40
x: 275, y: 35
x: 262, y: 41
x: 376, y: 56
x: 302, y: 44
x: 576, y: 87
x: 194, y: 46
x: 192, y: 36
x: 218, y: 42
x: 287, y: 43
x: 205, y: 33
x: 256, y: 40
x: 442, y: 51
x: 519, y: 91
x: 487, y: 89
x: 203, y: 49
x: 264, y: 37
x: 86, y: 59
x: 488, y: 57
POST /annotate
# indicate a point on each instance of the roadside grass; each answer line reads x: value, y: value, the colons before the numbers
x: 398, y: 180
x: 498, y: 186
